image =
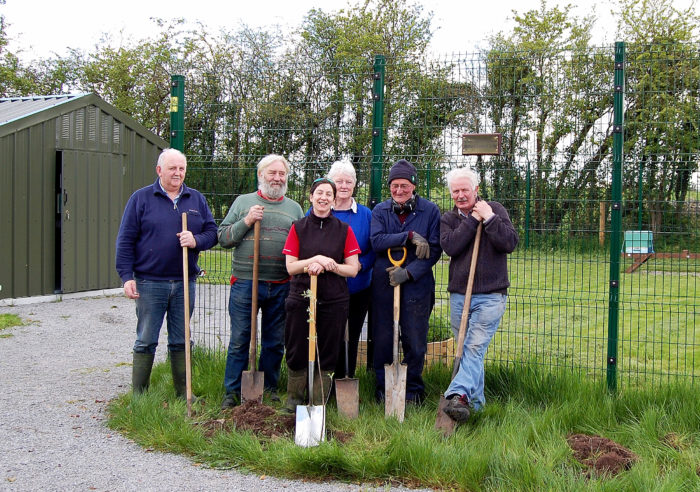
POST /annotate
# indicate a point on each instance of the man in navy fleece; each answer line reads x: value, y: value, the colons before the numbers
x: 413, y: 222
x: 149, y: 262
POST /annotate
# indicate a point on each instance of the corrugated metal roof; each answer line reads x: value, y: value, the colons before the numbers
x: 13, y: 108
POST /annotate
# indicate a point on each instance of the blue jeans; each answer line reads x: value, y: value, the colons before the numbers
x: 485, y: 315
x: 156, y: 298
x: 271, y: 297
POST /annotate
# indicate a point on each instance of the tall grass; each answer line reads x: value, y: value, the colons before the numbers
x: 518, y: 441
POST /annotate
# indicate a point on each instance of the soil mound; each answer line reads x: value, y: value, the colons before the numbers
x: 601, y: 455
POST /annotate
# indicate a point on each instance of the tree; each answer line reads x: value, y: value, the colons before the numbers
x: 134, y: 75
x: 662, y: 106
x: 546, y: 93
x: 420, y: 100
x: 15, y: 80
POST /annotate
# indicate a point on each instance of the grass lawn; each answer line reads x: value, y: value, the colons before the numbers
x: 518, y: 442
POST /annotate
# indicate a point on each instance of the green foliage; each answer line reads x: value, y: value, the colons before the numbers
x: 518, y: 439
x: 662, y: 106
x: 10, y: 320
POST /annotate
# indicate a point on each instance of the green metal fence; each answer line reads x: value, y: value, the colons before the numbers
x: 596, y: 144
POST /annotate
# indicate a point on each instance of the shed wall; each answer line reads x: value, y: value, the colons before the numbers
x: 29, y: 198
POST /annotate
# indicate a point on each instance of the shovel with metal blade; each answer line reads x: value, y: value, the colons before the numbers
x: 252, y: 381
x: 347, y: 393
x: 311, y: 419
x: 395, y: 373
x: 443, y: 422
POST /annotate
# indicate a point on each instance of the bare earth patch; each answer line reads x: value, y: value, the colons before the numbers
x: 263, y: 421
x: 601, y: 455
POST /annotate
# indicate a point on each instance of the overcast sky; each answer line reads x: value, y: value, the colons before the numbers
x: 41, y: 28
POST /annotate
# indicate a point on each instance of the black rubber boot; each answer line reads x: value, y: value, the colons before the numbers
x: 322, y: 387
x: 141, y: 371
x: 296, y: 387
x: 178, y: 370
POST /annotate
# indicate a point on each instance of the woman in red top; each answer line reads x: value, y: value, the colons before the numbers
x: 326, y: 247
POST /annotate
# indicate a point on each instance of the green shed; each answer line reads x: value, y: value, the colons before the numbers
x: 68, y: 164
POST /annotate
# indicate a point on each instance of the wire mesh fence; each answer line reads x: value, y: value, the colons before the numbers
x: 556, y: 176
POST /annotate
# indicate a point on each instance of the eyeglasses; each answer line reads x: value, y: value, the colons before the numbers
x: 402, y: 186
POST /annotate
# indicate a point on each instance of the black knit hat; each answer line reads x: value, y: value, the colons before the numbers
x: 402, y: 169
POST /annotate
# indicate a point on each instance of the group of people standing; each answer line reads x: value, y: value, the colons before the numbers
x: 341, y: 242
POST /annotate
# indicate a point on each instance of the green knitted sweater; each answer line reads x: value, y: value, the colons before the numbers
x: 274, y: 228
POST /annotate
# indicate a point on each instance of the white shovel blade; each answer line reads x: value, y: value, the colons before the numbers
x: 311, y: 425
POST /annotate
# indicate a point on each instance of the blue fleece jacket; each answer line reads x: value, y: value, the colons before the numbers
x: 147, y: 242
x: 359, y: 218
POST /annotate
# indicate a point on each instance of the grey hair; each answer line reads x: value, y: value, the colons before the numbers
x: 168, y: 152
x: 269, y: 159
x: 462, y: 172
x: 342, y: 167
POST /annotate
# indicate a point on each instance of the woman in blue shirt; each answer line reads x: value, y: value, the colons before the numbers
x: 359, y: 218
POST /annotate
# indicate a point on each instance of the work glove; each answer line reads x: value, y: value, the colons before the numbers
x: 422, y: 246
x: 397, y: 275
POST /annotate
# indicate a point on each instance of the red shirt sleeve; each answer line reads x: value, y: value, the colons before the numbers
x: 291, y: 245
x: 351, y: 246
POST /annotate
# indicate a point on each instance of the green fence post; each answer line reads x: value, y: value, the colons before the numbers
x: 375, y: 190
x: 177, y: 112
x: 528, y: 196
x: 616, y: 215
x: 640, y: 195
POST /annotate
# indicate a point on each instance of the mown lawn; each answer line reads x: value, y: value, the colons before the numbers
x: 558, y: 312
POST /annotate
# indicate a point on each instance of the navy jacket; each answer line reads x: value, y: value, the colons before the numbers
x: 387, y: 231
x: 147, y: 242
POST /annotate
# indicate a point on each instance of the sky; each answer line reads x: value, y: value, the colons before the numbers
x: 40, y: 29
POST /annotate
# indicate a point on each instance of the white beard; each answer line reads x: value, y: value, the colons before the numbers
x: 274, y: 193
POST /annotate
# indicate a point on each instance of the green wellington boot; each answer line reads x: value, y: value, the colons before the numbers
x: 179, y: 372
x: 141, y: 371
x: 322, y: 387
x: 296, y: 387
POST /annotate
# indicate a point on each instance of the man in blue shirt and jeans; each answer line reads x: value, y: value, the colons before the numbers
x: 149, y: 262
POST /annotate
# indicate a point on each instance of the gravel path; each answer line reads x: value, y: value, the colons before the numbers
x: 58, y: 373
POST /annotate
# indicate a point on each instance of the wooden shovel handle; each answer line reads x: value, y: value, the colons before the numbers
x: 397, y: 302
x: 312, y: 318
x: 186, y: 288
x: 252, y: 356
x: 467, y: 300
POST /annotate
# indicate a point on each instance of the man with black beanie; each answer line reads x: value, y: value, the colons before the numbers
x: 413, y: 222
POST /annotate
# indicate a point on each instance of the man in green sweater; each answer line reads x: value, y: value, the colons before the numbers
x: 275, y: 212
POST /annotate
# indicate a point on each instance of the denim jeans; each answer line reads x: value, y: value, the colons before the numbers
x: 156, y: 298
x: 271, y: 297
x: 485, y: 315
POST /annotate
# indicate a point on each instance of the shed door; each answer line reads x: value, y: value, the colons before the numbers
x: 90, y: 212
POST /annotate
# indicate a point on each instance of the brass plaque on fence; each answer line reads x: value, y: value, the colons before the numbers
x: 481, y: 144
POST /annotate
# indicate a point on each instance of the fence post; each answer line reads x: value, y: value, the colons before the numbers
x: 528, y: 197
x: 640, y: 193
x: 616, y: 215
x: 177, y: 112
x: 375, y: 189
